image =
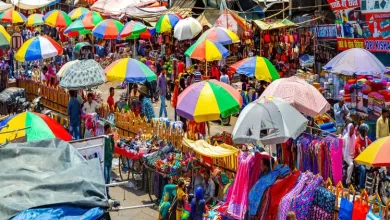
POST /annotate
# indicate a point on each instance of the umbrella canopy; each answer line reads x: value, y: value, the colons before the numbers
x: 33, y: 125
x: 57, y: 18
x: 92, y: 17
x: 187, y: 29
x: 259, y: 67
x: 132, y: 27
x: 77, y: 12
x: 207, y: 50
x: 355, y: 61
x: 34, y: 20
x: 108, y: 29
x: 66, y: 66
x: 84, y: 74
x: 80, y: 45
x: 41, y: 47
x: 149, y: 33
x: 208, y: 100
x: 5, y: 38
x: 276, y: 117
x: 12, y: 16
x: 79, y: 25
x: 300, y: 94
x: 129, y: 70
x: 167, y: 22
x: 221, y: 35
x: 376, y: 154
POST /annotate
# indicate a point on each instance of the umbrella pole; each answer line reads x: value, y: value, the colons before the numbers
x: 270, y: 159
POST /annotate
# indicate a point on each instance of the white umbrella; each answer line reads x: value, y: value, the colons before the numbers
x: 61, y: 72
x: 187, y: 29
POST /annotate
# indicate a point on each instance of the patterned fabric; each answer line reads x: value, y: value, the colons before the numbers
x: 257, y: 191
x: 302, y: 203
x: 323, y: 204
x: 147, y: 109
x: 285, y: 203
x: 84, y: 74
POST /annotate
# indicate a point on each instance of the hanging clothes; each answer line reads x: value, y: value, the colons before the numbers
x: 256, y: 168
x: 323, y: 205
x: 238, y: 202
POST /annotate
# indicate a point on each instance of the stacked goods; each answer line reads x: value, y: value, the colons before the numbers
x: 376, y: 102
x: 386, y: 95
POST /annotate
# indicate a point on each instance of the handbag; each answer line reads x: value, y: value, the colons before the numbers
x: 360, y: 210
x: 371, y: 215
x: 345, y: 211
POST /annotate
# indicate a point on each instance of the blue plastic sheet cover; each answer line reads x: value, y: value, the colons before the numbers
x: 61, y: 213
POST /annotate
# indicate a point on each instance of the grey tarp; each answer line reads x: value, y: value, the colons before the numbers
x: 47, y: 172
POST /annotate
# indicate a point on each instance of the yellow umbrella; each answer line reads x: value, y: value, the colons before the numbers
x: 376, y: 154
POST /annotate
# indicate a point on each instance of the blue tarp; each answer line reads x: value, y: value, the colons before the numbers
x: 60, y: 212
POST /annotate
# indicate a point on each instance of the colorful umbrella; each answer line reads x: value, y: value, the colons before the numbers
x: 57, y: 18
x: 77, y: 12
x: 79, y: 25
x: 149, y: 33
x: 78, y: 33
x: 207, y: 50
x: 5, y: 38
x: 35, y: 126
x: 259, y: 67
x: 300, y: 94
x: 208, y: 100
x: 41, y: 47
x: 132, y: 27
x: 34, y: 20
x: 167, y: 22
x: 80, y: 45
x: 129, y: 70
x: 187, y: 29
x: 107, y: 29
x: 220, y: 35
x: 279, y: 119
x: 376, y: 154
x: 85, y: 74
x: 66, y: 66
x: 93, y: 17
x: 12, y: 16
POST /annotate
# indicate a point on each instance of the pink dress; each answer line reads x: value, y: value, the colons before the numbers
x: 238, y: 197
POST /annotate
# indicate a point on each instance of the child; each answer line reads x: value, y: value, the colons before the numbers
x: 198, y: 205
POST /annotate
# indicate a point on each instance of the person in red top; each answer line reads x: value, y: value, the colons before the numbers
x: 174, y: 97
x: 110, y: 99
x: 362, y: 142
x: 180, y: 66
x: 215, y: 71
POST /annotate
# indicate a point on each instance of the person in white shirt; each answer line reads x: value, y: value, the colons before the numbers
x: 224, y: 78
x: 209, y: 188
x: 91, y: 106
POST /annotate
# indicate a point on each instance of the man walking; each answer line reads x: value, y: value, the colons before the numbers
x: 341, y: 112
x: 382, y: 125
x: 162, y: 86
x: 74, y: 114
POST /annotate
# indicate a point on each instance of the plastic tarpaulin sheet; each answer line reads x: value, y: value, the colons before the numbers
x: 205, y: 149
x: 60, y: 212
x: 32, y: 4
x: 48, y: 173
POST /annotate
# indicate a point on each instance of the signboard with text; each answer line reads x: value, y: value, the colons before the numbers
x: 343, y: 4
x: 374, y: 6
x: 349, y: 43
x: 326, y: 32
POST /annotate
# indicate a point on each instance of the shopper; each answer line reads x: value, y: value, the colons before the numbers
x: 180, y: 66
x: 382, y: 125
x: 163, y: 86
x: 225, y: 78
x: 108, y: 154
x: 362, y: 142
x: 74, y: 114
x: 198, y: 205
x: 91, y: 106
x: 209, y: 188
x: 180, y: 194
x: 110, y: 99
x: 146, y: 107
x: 175, y: 96
x: 163, y: 208
x: 197, y: 74
x: 341, y: 113
x: 349, y: 140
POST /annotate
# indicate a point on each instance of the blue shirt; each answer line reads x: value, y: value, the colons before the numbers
x: 338, y: 114
x: 225, y: 79
x: 197, y: 76
x: 74, y: 112
x: 162, y: 85
x: 147, y: 109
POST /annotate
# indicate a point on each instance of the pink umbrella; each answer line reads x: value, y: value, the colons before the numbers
x: 298, y: 93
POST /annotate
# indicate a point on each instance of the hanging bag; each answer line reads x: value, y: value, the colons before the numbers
x: 371, y: 214
x: 361, y: 207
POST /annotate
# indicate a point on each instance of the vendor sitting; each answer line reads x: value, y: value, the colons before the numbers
x: 91, y: 105
x: 209, y: 188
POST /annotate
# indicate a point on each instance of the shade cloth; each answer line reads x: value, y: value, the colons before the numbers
x: 274, y: 24
x: 205, y: 149
x: 31, y: 4
x: 48, y: 172
x: 4, y: 6
x: 112, y: 7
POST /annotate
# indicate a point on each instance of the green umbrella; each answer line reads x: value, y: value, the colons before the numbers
x: 80, y: 45
x: 3, y: 41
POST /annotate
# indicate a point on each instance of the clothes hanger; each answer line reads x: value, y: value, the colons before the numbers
x: 351, y: 189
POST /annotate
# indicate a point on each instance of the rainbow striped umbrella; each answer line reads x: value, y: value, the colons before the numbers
x: 34, y: 20
x: 78, y: 33
x: 77, y: 12
x: 5, y: 38
x: 57, y: 18
x: 376, y: 154
x: 79, y: 25
x: 12, y: 16
x: 92, y: 16
x: 208, y: 100
x: 107, y: 29
x: 41, y: 47
x: 144, y: 35
x: 259, y: 67
x: 132, y: 27
x: 129, y: 70
x: 207, y: 50
x: 220, y: 35
x: 35, y: 126
x: 167, y: 22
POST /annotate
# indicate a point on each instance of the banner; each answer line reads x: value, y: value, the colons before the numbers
x: 349, y: 43
x: 377, y: 45
x: 377, y: 26
x: 375, y: 6
x: 325, y: 32
x: 343, y: 4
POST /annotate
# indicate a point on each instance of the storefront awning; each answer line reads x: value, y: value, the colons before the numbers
x: 208, y: 17
x: 274, y: 24
x: 183, y: 7
x: 112, y: 7
x: 31, y: 4
x: 205, y: 149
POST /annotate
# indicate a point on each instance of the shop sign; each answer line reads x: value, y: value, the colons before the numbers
x: 377, y: 26
x: 328, y: 31
x: 374, y: 6
x: 343, y: 4
x: 377, y: 45
x: 349, y: 43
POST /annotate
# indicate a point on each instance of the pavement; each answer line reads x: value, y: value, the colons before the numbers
x: 129, y: 196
